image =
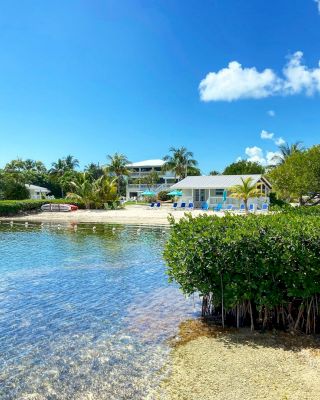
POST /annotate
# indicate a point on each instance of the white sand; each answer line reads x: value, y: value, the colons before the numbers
x: 244, y: 366
x: 132, y: 214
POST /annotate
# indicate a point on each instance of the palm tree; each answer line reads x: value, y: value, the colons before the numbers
x: 245, y: 191
x: 179, y: 161
x: 71, y: 162
x: 105, y: 189
x: 94, y: 170
x: 118, y: 167
x: 286, y: 150
x: 83, y: 189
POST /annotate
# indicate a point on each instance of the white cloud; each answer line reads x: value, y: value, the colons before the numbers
x: 238, y: 159
x: 270, y: 157
x: 318, y: 2
x: 255, y: 154
x: 266, y: 135
x: 236, y: 82
x: 271, y: 113
x: 279, y: 141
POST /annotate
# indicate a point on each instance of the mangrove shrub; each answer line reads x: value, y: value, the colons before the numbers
x: 259, y: 271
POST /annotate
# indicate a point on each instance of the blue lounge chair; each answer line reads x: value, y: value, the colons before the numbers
x: 204, y: 206
x: 190, y: 206
x: 265, y: 207
x: 152, y: 205
x: 183, y: 206
x: 158, y: 205
x: 229, y: 207
x: 251, y: 207
x: 175, y: 206
x: 218, y: 207
x: 242, y: 208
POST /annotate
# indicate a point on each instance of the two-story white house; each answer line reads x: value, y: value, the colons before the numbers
x: 140, y: 170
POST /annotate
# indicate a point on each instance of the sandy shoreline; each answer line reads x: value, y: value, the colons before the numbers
x: 133, y: 214
x: 240, y: 365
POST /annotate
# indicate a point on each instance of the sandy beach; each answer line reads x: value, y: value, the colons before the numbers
x: 240, y: 365
x: 132, y: 214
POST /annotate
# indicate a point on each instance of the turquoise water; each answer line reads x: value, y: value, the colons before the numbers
x: 84, y: 314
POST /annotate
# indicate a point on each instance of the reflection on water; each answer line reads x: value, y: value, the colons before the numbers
x: 85, y: 314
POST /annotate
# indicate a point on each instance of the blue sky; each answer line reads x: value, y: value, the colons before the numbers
x: 90, y: 78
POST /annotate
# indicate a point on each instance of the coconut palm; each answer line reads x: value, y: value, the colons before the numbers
x: 179, y: 161
x: 71, y: 162
x: 105, y: 190
x: 82, y: 189
x: 94, y: 170
x: 286, y: 150
x: 118, y: 167
x: 245, y: 191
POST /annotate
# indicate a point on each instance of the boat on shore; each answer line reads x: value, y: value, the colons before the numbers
x: 59, y: 207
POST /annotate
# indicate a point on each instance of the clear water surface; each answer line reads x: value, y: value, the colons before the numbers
x: 84, y: 314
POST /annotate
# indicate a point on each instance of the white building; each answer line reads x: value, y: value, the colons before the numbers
x: 37, y: 192
x: 210, y: 189
x: 140, y: 170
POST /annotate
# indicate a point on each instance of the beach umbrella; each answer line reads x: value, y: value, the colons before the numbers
x: 175, y: 193
x: 148, y: 193
x: 224, y: 196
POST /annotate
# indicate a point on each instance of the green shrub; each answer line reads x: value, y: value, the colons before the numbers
x: 163, y: 196
x: 13, y: 207
x: 261, y: 271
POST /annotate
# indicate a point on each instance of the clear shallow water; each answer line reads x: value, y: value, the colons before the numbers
x: 84, y: 315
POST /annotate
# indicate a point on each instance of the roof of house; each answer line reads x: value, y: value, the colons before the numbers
x: 147, y: 163
x: 37, y: 188
x: 215, y: 181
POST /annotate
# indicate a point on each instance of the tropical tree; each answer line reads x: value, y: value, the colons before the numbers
x: 244, y: 191
x: 298, y: 177
x: 151, y: 179
x: 286, y: 150
x: 71, y: 162
x: 94, y: 170
x: 117, y: 167
x: 214, y: 172
x: 244, y: 167
x: 82, y: 189
x: 105, y: 190
x: 62, y: 170
x: 179, y: 161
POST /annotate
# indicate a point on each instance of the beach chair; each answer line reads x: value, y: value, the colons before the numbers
x: 251, y: 208
x: 218, y: 207
x: 242, y: 208
x: 183, y: 206
x: 190, y: 206
x: 204, y: 206
x: 265, y: 207
x: 175, y: 206
x: 157, y: 205
x: 229, y: 207
x: 152, y: 205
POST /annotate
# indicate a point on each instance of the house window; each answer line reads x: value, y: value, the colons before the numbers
x: 219, y: 192
x: 199, y: 195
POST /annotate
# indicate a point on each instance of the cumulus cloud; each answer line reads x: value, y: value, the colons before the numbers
x: 279, y: 141
x: 255, y: 154
x: 318, y: 3
x: 271, y: 157
x: 236, y: 82
x: 271, y: 113
x: 266, y: 135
